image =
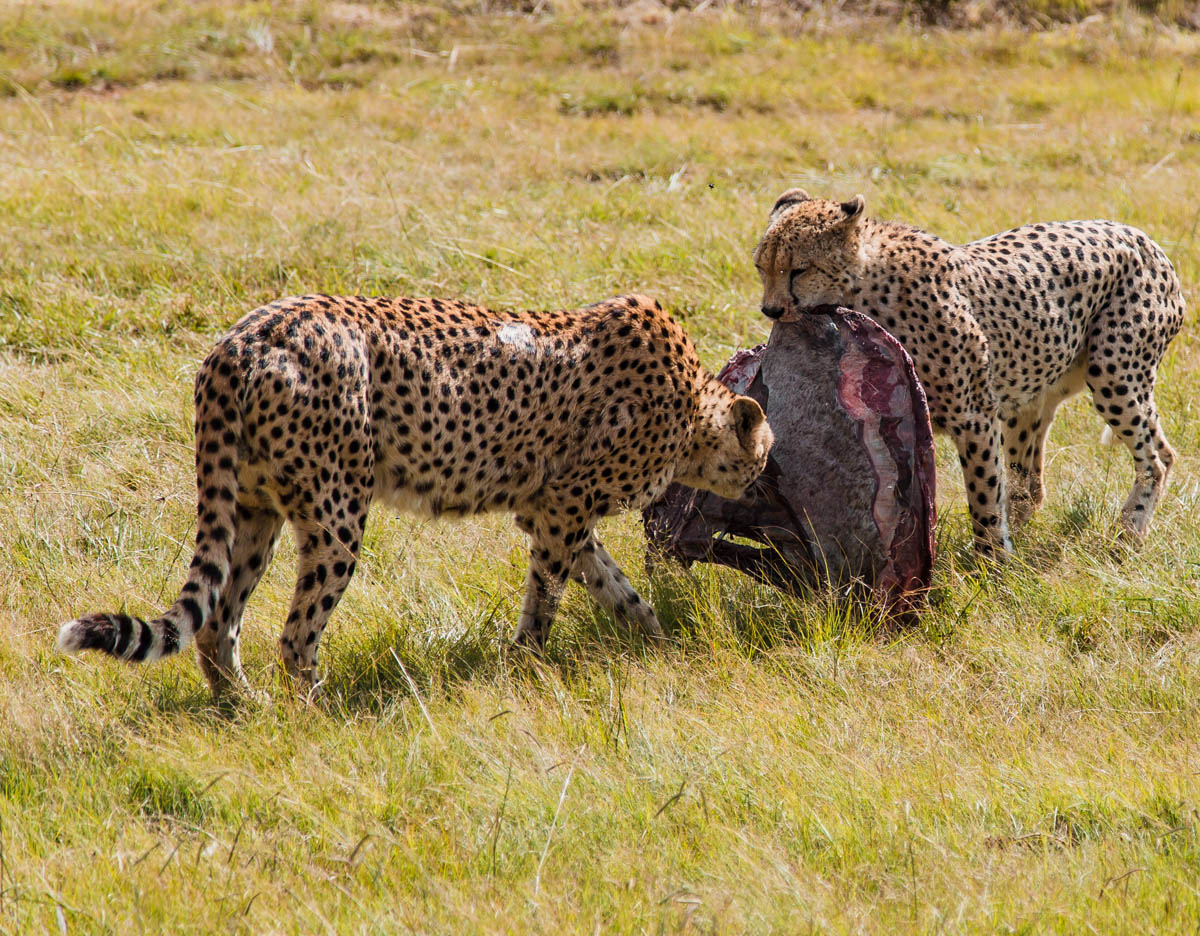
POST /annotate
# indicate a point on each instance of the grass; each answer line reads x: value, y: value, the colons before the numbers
x: 1024, y: 760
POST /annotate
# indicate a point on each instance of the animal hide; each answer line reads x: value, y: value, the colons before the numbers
x: 848, y: 494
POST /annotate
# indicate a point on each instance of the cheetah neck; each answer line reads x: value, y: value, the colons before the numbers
x: 888, y: 248
x: 881, y: 240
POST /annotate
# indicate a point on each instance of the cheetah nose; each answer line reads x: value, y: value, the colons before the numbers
x: 772, y: 312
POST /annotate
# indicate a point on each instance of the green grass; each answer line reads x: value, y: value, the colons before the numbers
x: 1024, y: 760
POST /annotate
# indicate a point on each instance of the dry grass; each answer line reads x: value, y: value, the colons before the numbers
x: 1025, y: 760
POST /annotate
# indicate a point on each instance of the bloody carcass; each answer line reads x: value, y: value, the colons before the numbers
x: 848, y: 494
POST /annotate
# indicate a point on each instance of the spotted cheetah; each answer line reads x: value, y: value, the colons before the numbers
x: 1002, y: 330
x: 310, y: 408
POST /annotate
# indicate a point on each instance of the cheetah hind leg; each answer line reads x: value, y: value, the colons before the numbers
x: 1153, y: 459
x: 1121, y: 372
x: 1025, y: 448
x: 597, y: 571
x: 326, y: 562
x: 1025, y: 443
x: 218, y: 642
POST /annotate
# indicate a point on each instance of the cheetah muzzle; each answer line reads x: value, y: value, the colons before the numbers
x: 311, y: 408
x: 1002, y: 331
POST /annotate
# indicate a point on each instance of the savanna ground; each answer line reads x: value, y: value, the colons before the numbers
x: 1024, y: 760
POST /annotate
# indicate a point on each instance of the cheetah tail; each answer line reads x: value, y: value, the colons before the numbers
x: 218, y: 429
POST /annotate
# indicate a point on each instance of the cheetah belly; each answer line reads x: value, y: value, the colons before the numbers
x: 1038, y: 301
x: 404, y: 487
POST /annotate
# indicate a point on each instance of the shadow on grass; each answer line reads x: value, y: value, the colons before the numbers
x: 186, y: 698
x: 703, y: 606
x: 399, y: 660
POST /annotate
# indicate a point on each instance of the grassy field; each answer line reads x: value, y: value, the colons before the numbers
x: 1027, y: 759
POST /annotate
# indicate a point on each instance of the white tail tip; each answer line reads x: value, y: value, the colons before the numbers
x: 1108, y: 437
x: 70, y: 637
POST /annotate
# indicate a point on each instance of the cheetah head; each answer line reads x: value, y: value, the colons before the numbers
x: 731, y: 442
x: 810, y: 255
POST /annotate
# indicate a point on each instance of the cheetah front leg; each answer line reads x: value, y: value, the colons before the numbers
x: 1024, y: 443
x: 552, y: 553
x: 610, y: 589
x: 980, y: 451
x: 592, y: 567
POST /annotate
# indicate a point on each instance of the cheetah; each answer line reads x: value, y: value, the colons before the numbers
x: 1002, y: 331
x: 311, y: 408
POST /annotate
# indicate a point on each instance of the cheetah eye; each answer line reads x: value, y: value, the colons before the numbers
x: 799, y: 271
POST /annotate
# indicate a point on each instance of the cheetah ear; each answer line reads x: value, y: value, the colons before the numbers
x: 852, y: 210
x: 746, y: 416
x: 787, y: 199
